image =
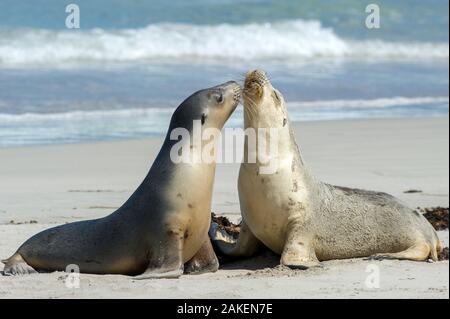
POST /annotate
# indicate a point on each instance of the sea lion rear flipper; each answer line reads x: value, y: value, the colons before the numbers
x: 418, y: 252
x: 246, y: 245
x: 16, y: 265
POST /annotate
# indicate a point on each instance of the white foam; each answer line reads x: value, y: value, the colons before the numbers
x: 295, y: 40
x: 374, y: 103
x: 165, y: 112
x: 85, y: 115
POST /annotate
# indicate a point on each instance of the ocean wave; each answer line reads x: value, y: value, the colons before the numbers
x: 373, y: 103
x: 165, y: 112
x: 295, y: 40
x: 85, y: 115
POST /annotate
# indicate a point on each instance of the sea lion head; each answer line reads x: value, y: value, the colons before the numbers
x: 263, y: 104
x: 212, y: 107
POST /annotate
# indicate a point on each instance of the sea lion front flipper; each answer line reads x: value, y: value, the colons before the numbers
x: 204, y: 261
x: 165, y: 258
x: 246, y: 245
x: 298, y: 252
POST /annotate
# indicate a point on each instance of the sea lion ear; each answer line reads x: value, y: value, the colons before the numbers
x: 277, y: 95
x: 204, y: 117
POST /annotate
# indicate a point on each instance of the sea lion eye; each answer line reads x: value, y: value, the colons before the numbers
x: 277, y: 97
x: 203, y: 118
x: 219, y: 98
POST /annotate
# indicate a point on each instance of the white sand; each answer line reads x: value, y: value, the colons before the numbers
x: 58, y: 184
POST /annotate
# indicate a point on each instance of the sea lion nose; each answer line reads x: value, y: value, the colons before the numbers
x: 232, y: 85
x: 260, y: 72
x: 257, y: 74
x: 228, y: 85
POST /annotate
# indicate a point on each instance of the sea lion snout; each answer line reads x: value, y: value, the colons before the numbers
x: 224, y: 100
x: 257, y: 76
x: 212, y: 106
x: 230, y: 90
x: 255, y: 83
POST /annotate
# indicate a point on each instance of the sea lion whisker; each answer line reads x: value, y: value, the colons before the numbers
x: 250, y: 105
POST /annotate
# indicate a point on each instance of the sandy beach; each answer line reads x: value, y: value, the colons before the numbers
x: 43, y: 186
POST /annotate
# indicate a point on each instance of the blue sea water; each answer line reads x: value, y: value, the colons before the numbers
x: 133, y: 61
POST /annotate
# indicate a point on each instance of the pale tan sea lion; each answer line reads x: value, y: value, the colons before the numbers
x: 307, y: 221
x: 163, y: 227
